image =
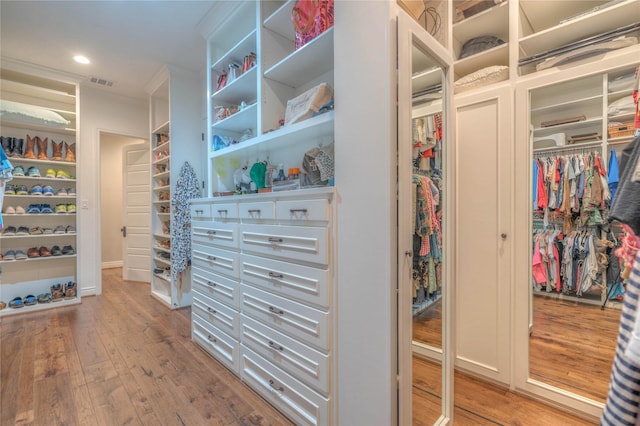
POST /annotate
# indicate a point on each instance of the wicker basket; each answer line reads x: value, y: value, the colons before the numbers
x: 621, y: 130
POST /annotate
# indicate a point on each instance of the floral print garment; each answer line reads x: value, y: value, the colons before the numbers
x: 186, y: 189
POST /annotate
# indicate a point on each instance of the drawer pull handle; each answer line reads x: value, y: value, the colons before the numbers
x: 273, y: 386
x: 275, y: 346
x: 252, y: 211
x: 213, y: 311
x: 212, y: 339
x: 211, y: 284
x: 224, y: 211
x: 212, y: 258
x: 199, y: 211
x: 275, y: 240
x: 293, y: 211
x: 211, y: 232
x: 276, y: 311
x: 274, y: 275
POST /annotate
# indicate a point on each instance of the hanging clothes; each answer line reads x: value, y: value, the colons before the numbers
x: 5, y: 176
x: 614, y: 177
x: 187, y: 188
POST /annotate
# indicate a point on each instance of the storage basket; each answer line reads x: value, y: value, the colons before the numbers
x: 621, y: 130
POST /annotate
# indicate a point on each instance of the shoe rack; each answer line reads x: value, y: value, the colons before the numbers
x: 175, y: 139
x: 38, y: 243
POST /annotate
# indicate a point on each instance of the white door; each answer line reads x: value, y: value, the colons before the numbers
x: 136, y: 221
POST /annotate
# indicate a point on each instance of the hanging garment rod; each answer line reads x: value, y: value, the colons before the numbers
x: 582, y: 149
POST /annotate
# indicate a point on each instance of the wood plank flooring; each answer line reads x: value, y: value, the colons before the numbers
x: 117, y: 359
x: 122, y: 358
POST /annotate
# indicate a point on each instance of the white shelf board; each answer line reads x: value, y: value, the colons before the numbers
x: 41, y: 197
x: 162, y: 188
x: 319, y: 126
x: 426, y: 79
x: 243, y: 88
x: 65, y: 97
x: 38, y: 214
x: 161, y: 296
x: 163, y: 236
x: 21, y: 160
x: 280, y: 21
x: 498, y: 55
x: 568, y: 104
x: 162, y: 202
x: 37, y: 259
x: 589, y: 122
x: 592, y: 24
x: 161, y: 175
x: 238, y: 52
x: 162, y: 128
x: 164, y: 145
x: 40, y: 178
x: 590, y: 144
x: 306, y: 63
x: 37, y: 307
x: 240, y: 121
x: 493, y: 21
x: 164, y: 160
x: 36, y: 127
x: 162, y: 249
x: 10, y: 237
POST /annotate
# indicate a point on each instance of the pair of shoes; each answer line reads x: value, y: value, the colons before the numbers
x: 14, y: 210
x: 29, y: 300
x: 38, y: 252
x: 10, y: 190
x: 63, y: 174
x: 62, y: 192
x: 36, y: 230
x: 29, y: 151
x: 17, y: 171
x: 12, y: 146
x: 68, y: 251
x: 35, y: 190
x: 57, y: 292
x: 14, y: 255
x: 33, y: 171
x: 44, y: 298
x: 9, y: 231
x: 39, y: 208
x: 16, y: 303
x: 22, y: 230
x: 56, y: 251
x: 21, y: 190
x: 60, y: 229
x: 65, y: 208
x: 70, y: 290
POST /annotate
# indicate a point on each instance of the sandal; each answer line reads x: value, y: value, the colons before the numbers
x: 2, y: 305
x: 29, y: 300
x: 16, y: 303
x: 70, y: 290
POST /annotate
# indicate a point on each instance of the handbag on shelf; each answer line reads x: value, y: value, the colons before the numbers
x: 310, y: 19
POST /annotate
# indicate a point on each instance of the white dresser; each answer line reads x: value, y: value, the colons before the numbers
x: 263, y: 277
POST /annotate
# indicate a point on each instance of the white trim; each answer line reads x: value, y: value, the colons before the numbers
x: 112, y: 264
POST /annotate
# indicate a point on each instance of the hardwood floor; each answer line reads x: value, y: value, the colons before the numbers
x: 123, y: 358
x: 115, y: 359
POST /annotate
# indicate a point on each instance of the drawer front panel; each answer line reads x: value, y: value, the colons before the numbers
x: 217, y: 287
x: 307, y: 244
x: 302, y: 404
x: 310, y: 285
x: 257, y: 211
x: 216, y: 260
x: 223, y: 347
x: 222, y: 211
x: 200, y: 211
x: 300, y: 321
x: 216, y: 314
x: 221, y: 234
x: 303, y: 210
x: 306, y: 364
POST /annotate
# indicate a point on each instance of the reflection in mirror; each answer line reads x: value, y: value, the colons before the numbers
x: 575, y: 283
x: 430, y: 14
x: 427, y: 172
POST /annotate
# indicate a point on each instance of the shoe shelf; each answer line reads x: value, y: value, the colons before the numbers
x: 163, y: 160
x: 11, y: 237
x: 42, y: 162
x: 162, y: 175
x: 162, y: 188
x: 162, y: 147
x: 48, y: 179
x: 42, y: 197
x: 162, y: 260
x: 162, y: 249
x: 39, y: 258
x: 37, y: 214
x: 7, y: 311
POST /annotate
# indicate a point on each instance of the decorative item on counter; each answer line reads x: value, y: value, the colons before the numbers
x: 220, y: 142
x: 318, y: 166
x: 232, y: 75
x: 242, y: 180
x: 257, y: 174
x: 310, y: 19
x: 248, y: 62
x: 222, y: 80
x: 306, y: 104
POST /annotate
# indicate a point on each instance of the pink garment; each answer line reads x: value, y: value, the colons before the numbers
x: 538, y: 268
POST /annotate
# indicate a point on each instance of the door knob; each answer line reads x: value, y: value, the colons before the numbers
x: 124, y: 231
x: 503, y: 236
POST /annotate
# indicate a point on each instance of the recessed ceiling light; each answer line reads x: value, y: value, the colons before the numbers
x: 81, y: 59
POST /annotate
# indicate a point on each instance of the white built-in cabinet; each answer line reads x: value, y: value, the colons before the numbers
x: 49, y: 226
x: 174, y: 113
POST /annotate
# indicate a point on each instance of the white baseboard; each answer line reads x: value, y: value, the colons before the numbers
x: 113, y: 264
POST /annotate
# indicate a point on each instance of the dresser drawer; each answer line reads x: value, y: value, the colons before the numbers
x: 224, y: 211
x: 295, y: 319
x: 223, y: 234
x: 303, y: 210
x: 216, y: 314
x: 217, y: 287
x: 306, y: 364
x: 302, y: 243
x: 303, y: 405
x: 304, y: 283
x: 216, y: 260
x: 257, y: 211
x: 200, y: 211
x: 223, y: 347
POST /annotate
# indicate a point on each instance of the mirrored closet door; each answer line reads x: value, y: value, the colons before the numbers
x: 424, y: 363
x: 575, y: 285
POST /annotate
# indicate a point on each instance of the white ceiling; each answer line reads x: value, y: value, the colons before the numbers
x: 126, y: 41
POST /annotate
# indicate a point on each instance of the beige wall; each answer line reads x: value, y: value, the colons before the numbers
x: 111, y: 196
